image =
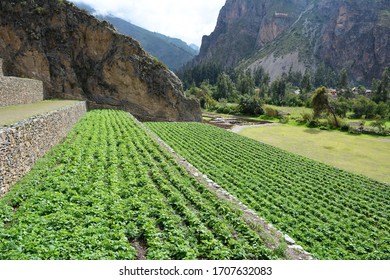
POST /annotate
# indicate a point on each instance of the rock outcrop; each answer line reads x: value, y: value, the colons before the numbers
x: 356, y: 36
x: 79, y: 57
x: 244, y: 26
x: 339, y: 33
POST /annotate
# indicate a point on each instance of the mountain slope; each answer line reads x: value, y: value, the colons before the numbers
x: 244, y: 26
x: 281, y: 35
x: 171, y: 51
x: 79, y: 57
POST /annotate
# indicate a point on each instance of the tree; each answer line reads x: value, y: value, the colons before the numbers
x: 246, y: 84
x: 321, y: 104
x: 258, y: 76
x: 224, y: 88
x: 294, y: 77
x: 343, y: 81
x: 203, y: 94
x: 278, y: 91
x: 363, y: 106
x: 251, y: 105
x: 382, y: 88
x: 382, y: 110
x: 324, y: 76
x: 306, y: 85
x: 342, y: 106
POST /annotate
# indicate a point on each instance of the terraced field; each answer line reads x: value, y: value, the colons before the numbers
x: 110, y: 192
x: 332, y: 213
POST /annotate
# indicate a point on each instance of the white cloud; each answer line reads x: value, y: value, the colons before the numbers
x: 188, y: 20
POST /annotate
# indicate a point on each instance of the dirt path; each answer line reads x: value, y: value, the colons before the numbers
x: 239, y: 128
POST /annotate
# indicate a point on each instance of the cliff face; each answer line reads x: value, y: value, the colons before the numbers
x: 171, y: 51
x: 244, y: 26
x: 356, y: 37
x: 301, y: 34
x: 79, y: 57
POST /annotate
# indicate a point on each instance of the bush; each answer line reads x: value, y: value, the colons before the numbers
x: 332, y: 122
x: 344, y: 126
x: 228, y: 109
x: 271, y: 112
x: 380, y: 126
x: 251, y: 105
x: 284, y: 119
x: 306, y: 118
x: 362, y: 106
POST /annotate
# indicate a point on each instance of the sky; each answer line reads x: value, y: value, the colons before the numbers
x: 188, y: 20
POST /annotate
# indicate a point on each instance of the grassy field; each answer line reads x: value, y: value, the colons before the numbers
x: 364, y: 155
x: 13, y: 114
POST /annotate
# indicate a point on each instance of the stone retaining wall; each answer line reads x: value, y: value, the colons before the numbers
x: 22, y: 144
x: 14, y: 91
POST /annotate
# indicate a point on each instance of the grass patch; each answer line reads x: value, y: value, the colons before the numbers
x: 12, y: 114
x: 363, y: 154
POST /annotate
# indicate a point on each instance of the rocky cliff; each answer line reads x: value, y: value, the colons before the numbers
x: 245, y: 26
x: 79, y: 57
x: 172, y: 52
x: 356, y: 36
x: 280, y: 35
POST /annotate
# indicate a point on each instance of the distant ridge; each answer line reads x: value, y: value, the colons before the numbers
x: 172, y: 52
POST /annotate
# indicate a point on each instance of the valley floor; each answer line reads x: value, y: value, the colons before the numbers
x: 366, y: 155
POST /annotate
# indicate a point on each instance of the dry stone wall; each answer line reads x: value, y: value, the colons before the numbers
x: 14, y: 91
x: 22, y: 144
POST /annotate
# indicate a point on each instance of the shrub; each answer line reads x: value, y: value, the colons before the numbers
x: 380, y: 125
x: 306, y: 118
x: 251, y: 105
x: 284, y: 119
x: 271, y: 112
x: 332, y: 122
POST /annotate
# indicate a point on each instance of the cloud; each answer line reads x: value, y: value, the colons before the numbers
x: 186, y: 19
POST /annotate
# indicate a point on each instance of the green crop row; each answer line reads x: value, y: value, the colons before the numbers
x: 110, y: 192
x: 333, y: 214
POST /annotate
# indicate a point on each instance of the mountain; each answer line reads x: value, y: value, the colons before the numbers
x: 280, y: 35
x: 171, y: 51
x: 80, y: 57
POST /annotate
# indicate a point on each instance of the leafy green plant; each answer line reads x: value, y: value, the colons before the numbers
x: 332, y: 213
x: 109, y: 186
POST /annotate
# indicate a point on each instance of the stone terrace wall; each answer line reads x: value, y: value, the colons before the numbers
x: 14, y: 91
x: 22, y: 144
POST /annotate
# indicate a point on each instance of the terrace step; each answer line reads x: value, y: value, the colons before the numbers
x: 29, y: 126
x: 14, y: 91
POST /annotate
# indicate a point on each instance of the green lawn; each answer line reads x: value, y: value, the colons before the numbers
x: 13, y: 114
x: 361, y: 154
